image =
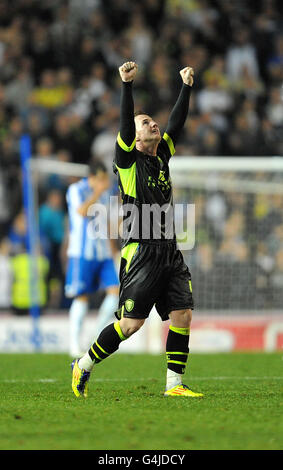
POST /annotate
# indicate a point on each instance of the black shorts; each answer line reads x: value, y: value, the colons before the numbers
x: 153, y: 274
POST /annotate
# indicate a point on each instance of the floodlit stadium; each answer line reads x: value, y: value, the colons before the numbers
x: 60, y: 100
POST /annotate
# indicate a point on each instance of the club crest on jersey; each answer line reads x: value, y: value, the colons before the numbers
x: 129, y: 305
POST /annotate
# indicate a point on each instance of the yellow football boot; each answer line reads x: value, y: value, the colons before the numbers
x: 182, y: 391
x: 80, y: 379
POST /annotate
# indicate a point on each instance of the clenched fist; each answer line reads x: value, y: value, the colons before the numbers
x: 187, y: 75
x: 128, y: 71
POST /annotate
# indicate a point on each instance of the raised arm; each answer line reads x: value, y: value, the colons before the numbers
x: 127, y: 132
x: 179, y: 113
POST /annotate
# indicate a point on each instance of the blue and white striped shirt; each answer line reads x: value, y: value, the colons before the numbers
x: 82, y: 243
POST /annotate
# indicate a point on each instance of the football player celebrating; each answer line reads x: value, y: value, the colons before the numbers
x: 152, y: 271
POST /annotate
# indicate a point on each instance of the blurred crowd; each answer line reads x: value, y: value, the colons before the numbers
x: 237, y: 260
x: 59, y: 83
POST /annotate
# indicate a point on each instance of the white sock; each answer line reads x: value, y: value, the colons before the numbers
x: 106, y: 313
x: 173, y: 379
x: 86, y: 362
x: 77, y: 313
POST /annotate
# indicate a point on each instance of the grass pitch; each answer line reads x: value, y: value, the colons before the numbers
x: 241, y: 410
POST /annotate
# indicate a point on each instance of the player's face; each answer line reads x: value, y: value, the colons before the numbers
x: 100, y: 180
x: 146, y: 129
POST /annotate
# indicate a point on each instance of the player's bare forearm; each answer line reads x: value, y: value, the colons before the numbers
x: 84, y: 207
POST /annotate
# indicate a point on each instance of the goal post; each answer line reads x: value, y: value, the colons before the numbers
x: 32, y: 247
x: 32, y: 167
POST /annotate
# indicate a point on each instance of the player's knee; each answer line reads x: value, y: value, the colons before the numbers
x: 181, y: 318
x: 82, y: 298
x: 129, y: 326
x: 113, y: 290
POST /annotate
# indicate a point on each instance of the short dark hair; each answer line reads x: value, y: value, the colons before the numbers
x: 140, y: 111
x: 95, y: 166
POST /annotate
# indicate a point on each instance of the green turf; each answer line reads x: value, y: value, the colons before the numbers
x: 241, y: 410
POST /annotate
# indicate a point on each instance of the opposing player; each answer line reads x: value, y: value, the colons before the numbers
x: 90, y: 263
x: 152, y: 270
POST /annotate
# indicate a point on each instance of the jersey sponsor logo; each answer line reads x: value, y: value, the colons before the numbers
x: 164, y: 184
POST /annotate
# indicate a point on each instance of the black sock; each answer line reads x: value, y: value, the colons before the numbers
x: 177, y: 349
x: 107, y: 342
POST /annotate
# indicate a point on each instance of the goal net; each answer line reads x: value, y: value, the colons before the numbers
x: 237, y: 259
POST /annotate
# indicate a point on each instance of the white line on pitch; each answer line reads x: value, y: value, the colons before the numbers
x: 148, y: 379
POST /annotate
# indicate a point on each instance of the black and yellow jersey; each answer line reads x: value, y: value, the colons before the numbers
x: 144, y: 180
